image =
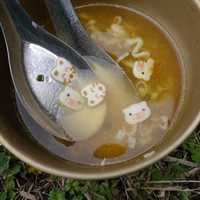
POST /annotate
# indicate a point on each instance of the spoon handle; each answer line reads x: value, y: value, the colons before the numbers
x: 70, y: 30
x: 64, y: 19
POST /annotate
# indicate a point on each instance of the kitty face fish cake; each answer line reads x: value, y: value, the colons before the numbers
x: 71, y: 99
x: 143, y: 69
x: 63, y: 72
x: 137, y: 113
x: 94, y: 93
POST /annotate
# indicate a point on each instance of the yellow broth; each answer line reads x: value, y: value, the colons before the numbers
x: 162, y: 93
x: 167, y: 68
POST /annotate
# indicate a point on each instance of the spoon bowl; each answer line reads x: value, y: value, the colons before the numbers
x: 34, y: 52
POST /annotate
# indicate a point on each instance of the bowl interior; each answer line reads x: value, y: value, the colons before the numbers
x: 182, y: 24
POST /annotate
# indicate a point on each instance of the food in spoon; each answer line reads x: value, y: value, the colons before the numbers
x: 64, y: 71
x: 95, y: 93
x: 75, y: 123
x: 71, y: 99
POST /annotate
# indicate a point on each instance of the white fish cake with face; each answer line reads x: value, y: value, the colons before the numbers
x: 95, y: 93
x: 71, y: 99
x: 143, y: 69
x: 137, y: 113
x: 64, y: 71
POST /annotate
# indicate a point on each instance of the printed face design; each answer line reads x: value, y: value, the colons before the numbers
x: 71, y: 99
x: 63, y: 72
x: 143, y: 70
x: 137, y: 113
x: 94, y: 93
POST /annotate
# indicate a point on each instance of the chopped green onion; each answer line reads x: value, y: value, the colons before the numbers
x: 40, y: 78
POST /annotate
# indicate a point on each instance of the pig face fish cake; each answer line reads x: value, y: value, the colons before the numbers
x: 63, y: 72
x: 143, y: 69
x: 71, y: 99
x: 137, y: 113
x: 95, y: 93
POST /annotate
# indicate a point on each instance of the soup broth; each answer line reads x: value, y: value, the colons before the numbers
x: 132, y: 127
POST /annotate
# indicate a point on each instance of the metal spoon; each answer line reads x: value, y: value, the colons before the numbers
x: 33, y: 51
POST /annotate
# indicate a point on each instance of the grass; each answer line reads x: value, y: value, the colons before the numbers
x: 176, y: 177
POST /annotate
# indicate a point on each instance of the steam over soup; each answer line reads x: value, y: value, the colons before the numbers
x: 114, y: 122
